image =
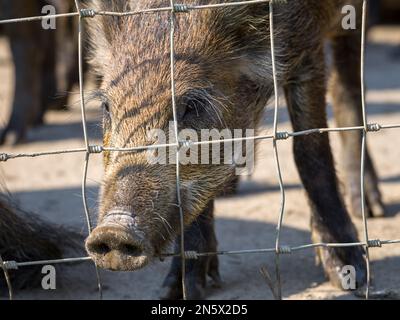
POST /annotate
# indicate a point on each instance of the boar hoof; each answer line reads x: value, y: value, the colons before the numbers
x: 334, y: 261
x: 374, y: 206
x: 196, y: 279
x: 173, y: 291
x: 377, y: 210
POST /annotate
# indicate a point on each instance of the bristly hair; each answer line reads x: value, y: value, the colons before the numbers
x: 96, y: 95
x: 26, y: 237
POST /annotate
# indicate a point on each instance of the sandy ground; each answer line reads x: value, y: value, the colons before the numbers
x: 51, y: 187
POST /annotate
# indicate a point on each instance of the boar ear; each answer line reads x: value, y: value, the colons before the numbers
x: 103, y: 29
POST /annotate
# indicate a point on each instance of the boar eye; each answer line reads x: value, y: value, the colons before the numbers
x: 189, y: 108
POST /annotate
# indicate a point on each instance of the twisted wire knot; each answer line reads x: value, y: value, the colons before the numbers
x: 10, y: 265
x: 4, y: 157
x: 374, y: 127
x: 87, y: 13
x: 375, y: 243
x: 95, y: 149
x: 185, y: 143
x: 191, y: 255
x: 282, y: 136
x: 284, y: 250
x: 181, y: 8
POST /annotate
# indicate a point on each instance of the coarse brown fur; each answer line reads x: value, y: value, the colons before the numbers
x: 223, y: 78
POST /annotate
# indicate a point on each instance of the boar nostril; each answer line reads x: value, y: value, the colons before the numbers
x: 100, y: 248
x: 130, y: 250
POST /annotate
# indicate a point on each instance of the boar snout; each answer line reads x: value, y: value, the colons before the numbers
x: 117, y: 245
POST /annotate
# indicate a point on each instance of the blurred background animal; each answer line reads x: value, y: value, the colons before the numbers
x: 45, y: 61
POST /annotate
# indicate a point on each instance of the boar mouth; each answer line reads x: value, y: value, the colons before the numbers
x: 117, y: 248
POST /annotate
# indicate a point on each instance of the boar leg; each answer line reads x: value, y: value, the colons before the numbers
x: 305, y: 94
x: 199, y: 237
x: 28, y: 60
x: 346, y: 95
x: 49, y: 98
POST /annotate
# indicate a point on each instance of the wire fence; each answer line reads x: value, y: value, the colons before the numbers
x: 88, y: 149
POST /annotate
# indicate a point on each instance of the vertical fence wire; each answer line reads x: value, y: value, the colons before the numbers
x: 364, y: 145
x: 8, y: 279
x: 86, y: 138
x: 177, y: 159
x: 276, y: 153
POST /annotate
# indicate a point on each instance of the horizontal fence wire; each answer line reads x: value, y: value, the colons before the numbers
x: 276, y: 136
x: 194, y: 255
x: 175, y: 8
x: 283, y: 135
